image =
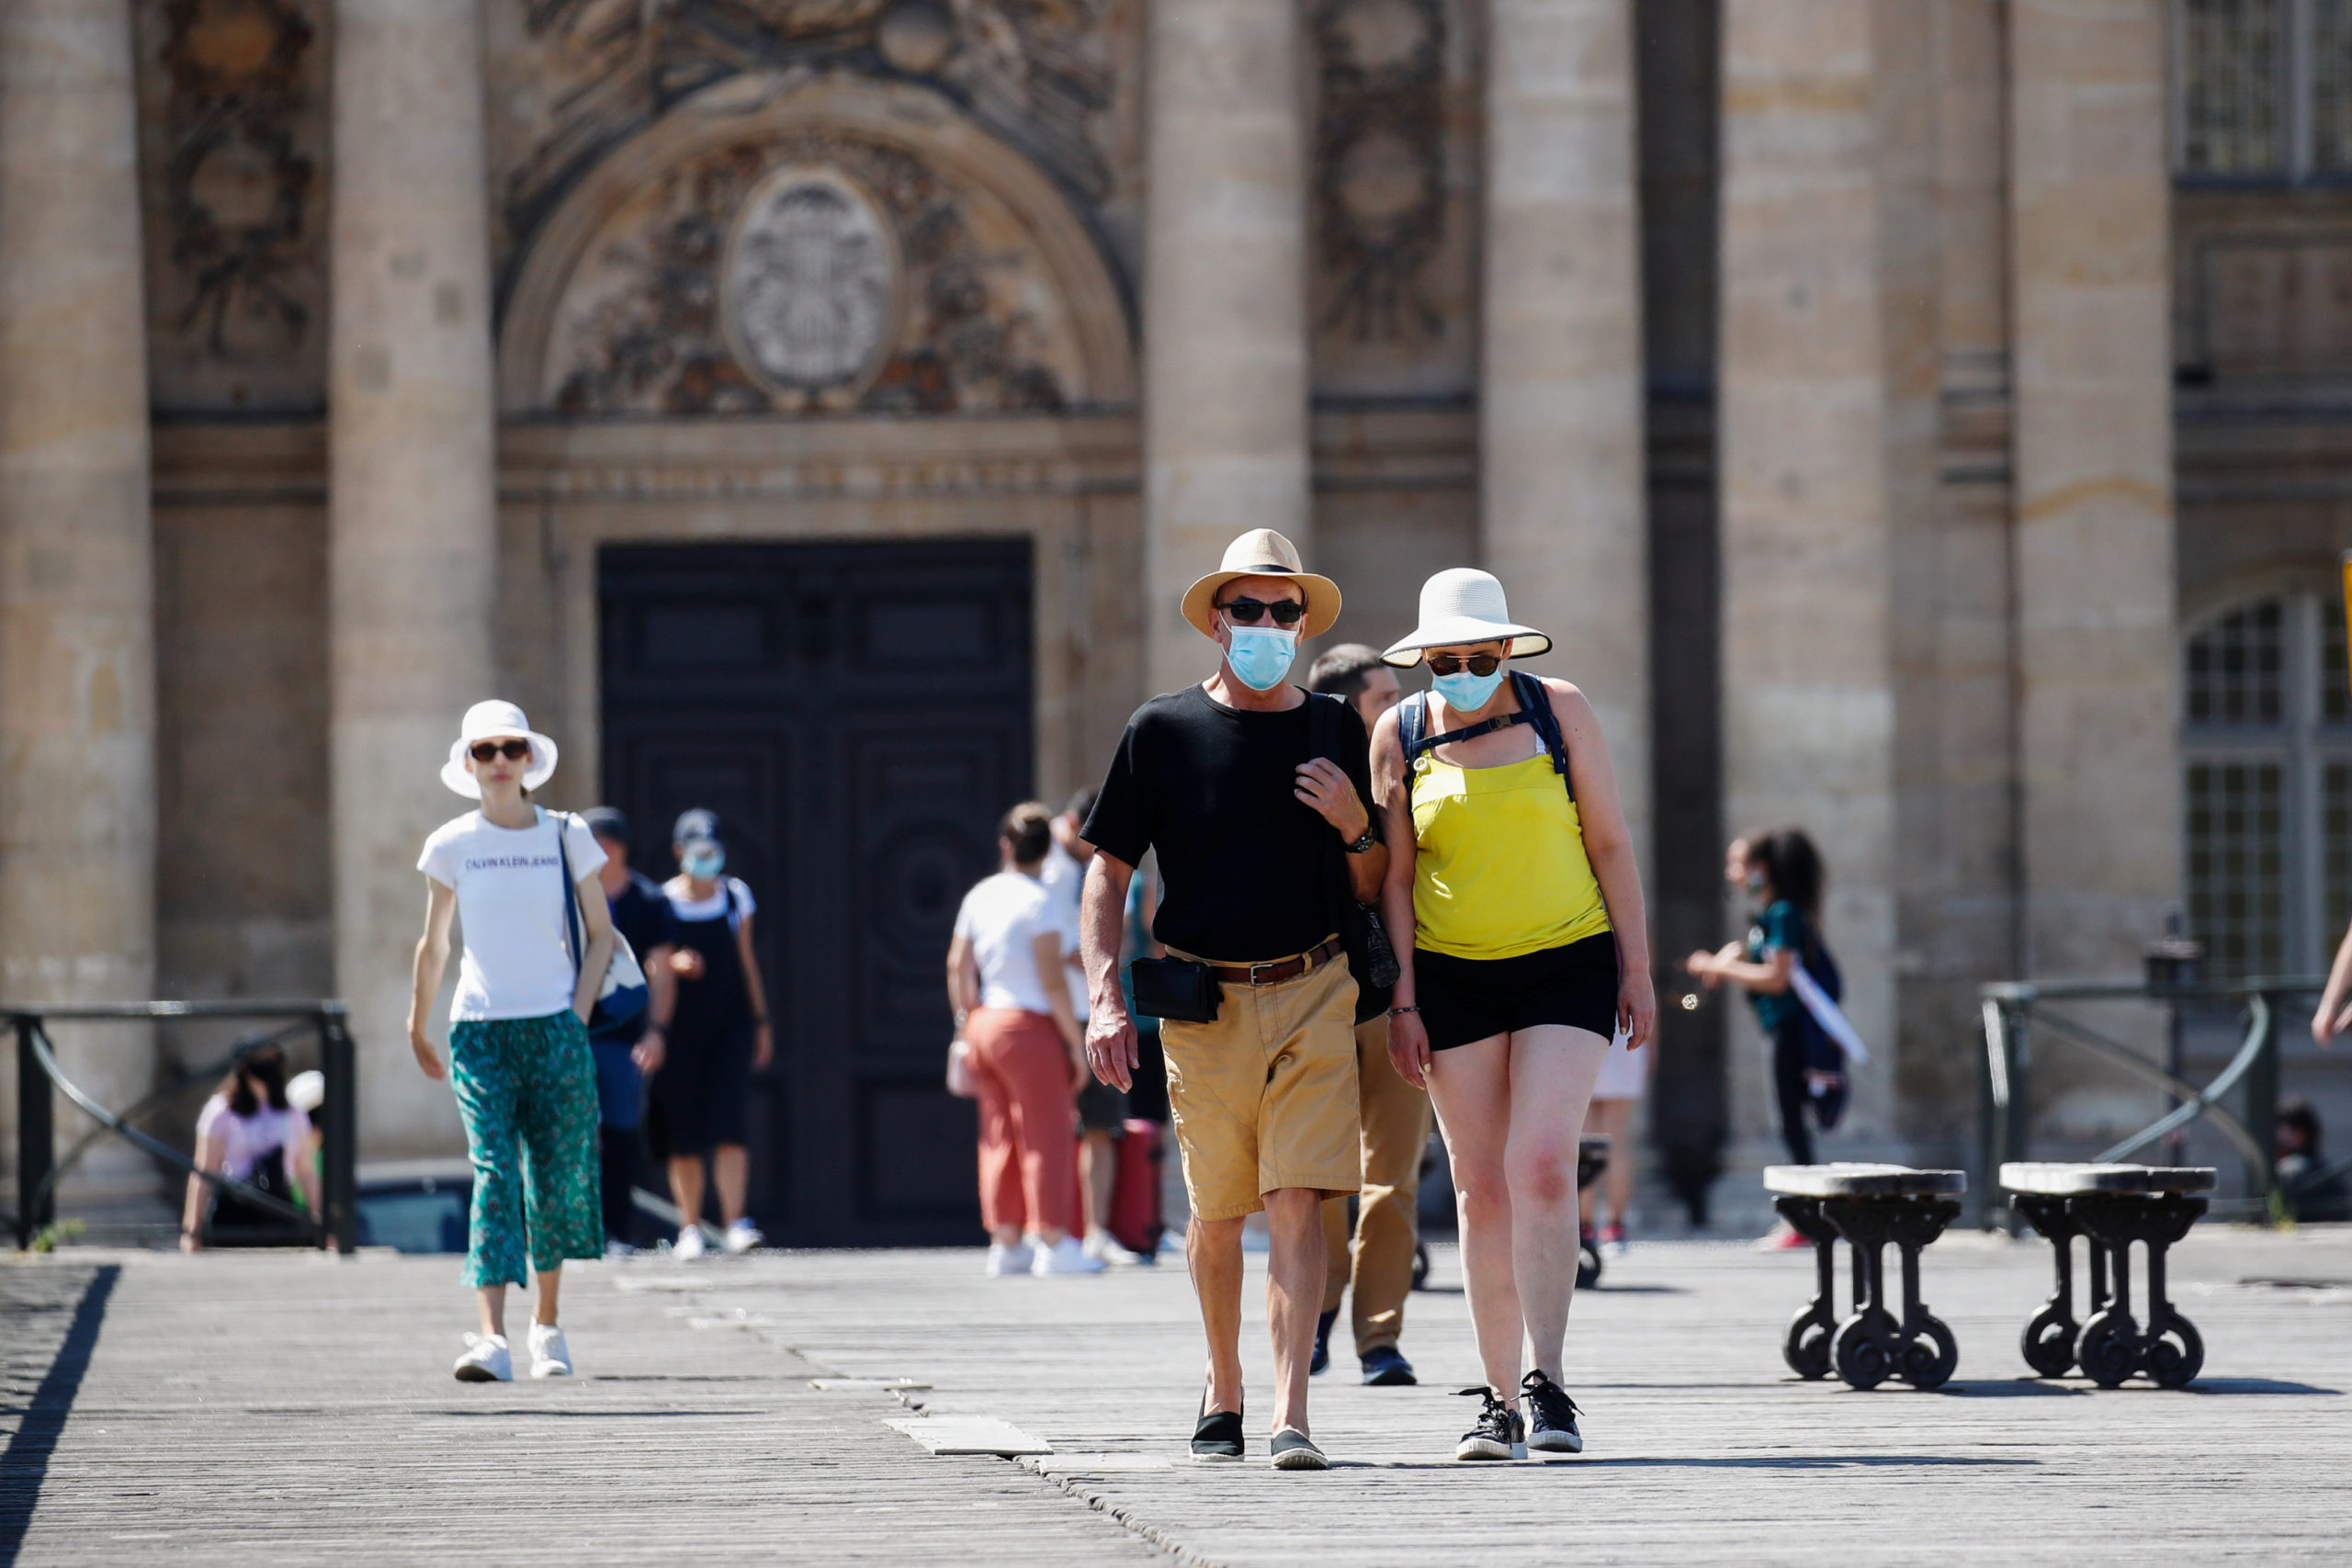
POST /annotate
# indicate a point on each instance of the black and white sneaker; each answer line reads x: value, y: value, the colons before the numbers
x: 1497, y: 1433
x: 1551, y: 1416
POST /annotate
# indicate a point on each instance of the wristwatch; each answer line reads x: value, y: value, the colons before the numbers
x: 1363, y: 844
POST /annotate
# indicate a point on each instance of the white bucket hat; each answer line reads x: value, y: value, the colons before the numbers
x: 496, y: 720
x: 1463, y: 604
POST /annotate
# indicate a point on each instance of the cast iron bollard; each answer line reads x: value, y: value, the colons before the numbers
x: 1868, y: 1206
x: 2111, y: 1206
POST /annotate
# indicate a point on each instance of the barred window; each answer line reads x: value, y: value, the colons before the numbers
x: 2267, y: 752
x: 2262, y: 88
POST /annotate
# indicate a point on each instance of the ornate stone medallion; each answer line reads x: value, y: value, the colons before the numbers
x: 809, y: 288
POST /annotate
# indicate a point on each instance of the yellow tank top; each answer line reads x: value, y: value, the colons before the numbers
x: 1502, y: 870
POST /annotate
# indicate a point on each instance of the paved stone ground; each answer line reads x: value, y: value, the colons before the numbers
x: 285, y: 1408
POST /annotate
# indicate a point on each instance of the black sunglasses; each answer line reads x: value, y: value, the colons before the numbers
x: 1480, y: 664
x: 1286, y: 612
x: 513, y: 750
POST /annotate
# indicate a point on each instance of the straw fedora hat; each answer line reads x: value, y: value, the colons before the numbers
x: 496, y: 720
x: 1463, y: 604
x: 1262, y: 552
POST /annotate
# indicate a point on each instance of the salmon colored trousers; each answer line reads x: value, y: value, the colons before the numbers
x: 1028, y: 1121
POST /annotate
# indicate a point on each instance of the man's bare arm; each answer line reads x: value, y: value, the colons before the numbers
x: 1110, y: 1032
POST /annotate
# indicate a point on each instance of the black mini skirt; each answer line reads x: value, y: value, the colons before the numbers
x: 1464, y: 1000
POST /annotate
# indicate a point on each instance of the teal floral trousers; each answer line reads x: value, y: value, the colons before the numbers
x: 526, y: 1088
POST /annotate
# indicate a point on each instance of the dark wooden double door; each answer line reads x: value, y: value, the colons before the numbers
x: 859, y: 717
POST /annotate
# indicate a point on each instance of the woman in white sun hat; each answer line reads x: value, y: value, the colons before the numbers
x: 1513, y: 870
x: 525, y: 1077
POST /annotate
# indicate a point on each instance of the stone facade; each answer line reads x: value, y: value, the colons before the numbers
x: 1808, y: 365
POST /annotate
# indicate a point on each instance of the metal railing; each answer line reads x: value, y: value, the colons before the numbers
x: 2016, y: 1013
x: 40, y: 1080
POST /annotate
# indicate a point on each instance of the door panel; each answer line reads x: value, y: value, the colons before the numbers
x: 858, y: 715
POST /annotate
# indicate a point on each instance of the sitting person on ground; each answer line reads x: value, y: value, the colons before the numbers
x: 250, y: 1131
x: 2313, y: 1189
x: 1009, y: 986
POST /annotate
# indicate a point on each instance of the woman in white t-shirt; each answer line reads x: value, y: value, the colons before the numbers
x: 249, y: 1131
x: 1007, y: 981
x: 518, y: 1041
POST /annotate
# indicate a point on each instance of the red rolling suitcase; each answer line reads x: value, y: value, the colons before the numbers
x: 1136, y: 1218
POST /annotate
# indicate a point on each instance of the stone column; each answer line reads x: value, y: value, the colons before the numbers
x: 1562, y: 471
x: 1808, y: 692
x: 1224, y: 305
x: 2090, y: 237
x: 77, y: 676
x: 413, y: 553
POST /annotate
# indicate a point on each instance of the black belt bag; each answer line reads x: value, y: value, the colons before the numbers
x: 1178, y: 989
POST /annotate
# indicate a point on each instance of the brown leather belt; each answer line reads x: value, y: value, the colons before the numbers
x: 1282, y: 969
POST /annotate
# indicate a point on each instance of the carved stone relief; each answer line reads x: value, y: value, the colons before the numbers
x: 574, y: 78
x: 1394, y: 171
x: 811, y: 273
x: 233, y: 131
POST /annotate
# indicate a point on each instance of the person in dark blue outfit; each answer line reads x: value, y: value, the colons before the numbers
x: 626, y: 1051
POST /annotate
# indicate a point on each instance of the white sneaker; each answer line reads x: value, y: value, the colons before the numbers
x: 1065, y: 1257
x: 486, y: 1359
x: 1106, y: 1246
x: 1013, y: 1260
x: 743, y: 1235
x: 550, y: 1356
x: 619, y: 1249
x: 690, y: 1245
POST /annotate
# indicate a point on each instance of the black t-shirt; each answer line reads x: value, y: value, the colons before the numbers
x: 643, y: 914
x: 1243, y: 872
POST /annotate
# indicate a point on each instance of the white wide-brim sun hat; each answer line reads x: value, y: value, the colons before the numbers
x: 1463, y: 604
x: 496, y: 720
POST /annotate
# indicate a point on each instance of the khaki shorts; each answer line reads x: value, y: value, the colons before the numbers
x: 1265, y: 1097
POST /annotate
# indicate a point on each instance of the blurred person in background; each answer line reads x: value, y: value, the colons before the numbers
x: 524, y: 1079
x: 250, y: 1131
x: 628, y: 1052
x: 2313, y: 1189
x: 1616, y: 1095
x: 1008, y: 981
x: 1781, y: 873
x: 720, y: 1035
x: 1395, y: 1117
x: 306, y: 1092
x: 1102, y: 1107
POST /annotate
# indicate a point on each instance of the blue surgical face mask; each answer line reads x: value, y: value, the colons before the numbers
x: 1260, y: 656
x: 1465, y: 693
x: 704, y: 864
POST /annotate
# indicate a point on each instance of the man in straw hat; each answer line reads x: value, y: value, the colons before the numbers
x: 1223, y: 781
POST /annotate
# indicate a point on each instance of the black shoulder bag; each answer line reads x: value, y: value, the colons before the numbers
x: 1371, y: 958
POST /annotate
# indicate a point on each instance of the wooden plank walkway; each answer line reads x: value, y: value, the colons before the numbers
x: 293, y: 1408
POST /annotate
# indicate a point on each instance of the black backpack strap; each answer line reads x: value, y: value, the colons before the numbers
x: 1535, y: 704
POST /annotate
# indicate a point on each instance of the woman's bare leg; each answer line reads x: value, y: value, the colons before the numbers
x: 491, y: 1300
x: 1470, y: 1086
x: 1551, y: 1077
x: 551, y: 1286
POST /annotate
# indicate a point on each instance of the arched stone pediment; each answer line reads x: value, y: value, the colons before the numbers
x: 832, y: 243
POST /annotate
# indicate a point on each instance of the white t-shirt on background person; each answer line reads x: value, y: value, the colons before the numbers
x: 708, y: 909
x: 244, y: 1139
x: 512, y: 908
x: 1002, y: 919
